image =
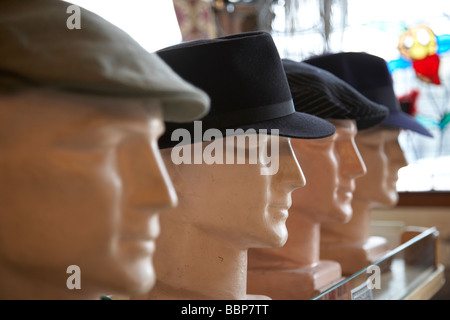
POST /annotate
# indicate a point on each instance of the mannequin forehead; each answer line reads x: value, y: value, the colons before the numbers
x: 260, y: 151
x: 245, y: 141
x: 321, y: 145
x: 344, y: 127
x: 249, y: 140
x: 378, y: 134
x: 56, y: 115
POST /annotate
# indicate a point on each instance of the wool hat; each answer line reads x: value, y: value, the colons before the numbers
x: 38, y: 49
x: 369, y: 75
x: 319, y: 92
x: 245, y: 79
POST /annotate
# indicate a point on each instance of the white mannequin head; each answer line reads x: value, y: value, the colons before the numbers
x: 383, y: 156
x: 82, y: 184
x: 235, y: 202
x: 331, y: 166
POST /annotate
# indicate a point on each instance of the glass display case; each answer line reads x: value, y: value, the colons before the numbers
x: 410, y: 271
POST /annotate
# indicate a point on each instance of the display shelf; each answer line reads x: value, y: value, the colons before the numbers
x: 409, y: 272
x: 429, y: 286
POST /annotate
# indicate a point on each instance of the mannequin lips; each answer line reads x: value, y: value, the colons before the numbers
x: 144, y: 237
x: 391, y: 185
x: 143, y: 243
x: 143, y: 232
x: 394, y: 177
x: 278, y: 214
x: 281, y: 207
x: 148, y: 246
x: 347, y: 190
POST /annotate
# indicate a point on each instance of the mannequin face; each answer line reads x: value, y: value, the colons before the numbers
x: 235, y: 202
x: 331, y: 166
x: 383, y: 156
x: 82, y: 183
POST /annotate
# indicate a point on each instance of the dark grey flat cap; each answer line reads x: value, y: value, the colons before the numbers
x: 319, y: 92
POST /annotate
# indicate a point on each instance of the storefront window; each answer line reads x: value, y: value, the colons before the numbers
x: 151, y: 23
x: 302, y: 28
x: 378, y: 27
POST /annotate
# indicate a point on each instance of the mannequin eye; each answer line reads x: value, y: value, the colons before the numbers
x: 423, y: 37
x: 408, y: 42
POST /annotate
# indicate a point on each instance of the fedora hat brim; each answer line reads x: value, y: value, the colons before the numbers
x: 297, y: 125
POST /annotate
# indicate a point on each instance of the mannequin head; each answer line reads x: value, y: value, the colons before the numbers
x: 235, y: 202
x: 383, y: 157
x: 82, y: 184
x: 331, y: 166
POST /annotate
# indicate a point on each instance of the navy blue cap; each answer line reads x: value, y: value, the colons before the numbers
x: 369, y: 75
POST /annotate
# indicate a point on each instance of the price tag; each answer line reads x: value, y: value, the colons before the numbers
x: 362, y: 292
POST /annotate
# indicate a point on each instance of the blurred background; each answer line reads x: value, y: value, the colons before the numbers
x: 302, y: 28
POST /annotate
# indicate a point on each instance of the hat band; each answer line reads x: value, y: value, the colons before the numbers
x: 383, y: 95
x: 251, y: 115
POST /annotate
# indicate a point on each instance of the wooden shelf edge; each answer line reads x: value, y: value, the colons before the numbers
x: 424, y: 199
x: 429, y: 287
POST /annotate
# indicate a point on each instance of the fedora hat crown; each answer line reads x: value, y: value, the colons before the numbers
x: 245, y: 80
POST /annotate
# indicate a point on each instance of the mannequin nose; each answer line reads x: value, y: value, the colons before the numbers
x: 290, y: 170
x: 145, y: 178
x: 351, y: 162
x: 397, y: 156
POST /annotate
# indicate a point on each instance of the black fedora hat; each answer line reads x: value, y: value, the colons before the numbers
x: 369, y: 75
x: 247, y: 85
x: 37, y: 49
x: 319, y: 92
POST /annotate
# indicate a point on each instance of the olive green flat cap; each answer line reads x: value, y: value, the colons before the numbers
x: 38, y: 49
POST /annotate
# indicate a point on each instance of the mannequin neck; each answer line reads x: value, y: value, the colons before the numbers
x: 301, y: 250
x: 359, y: 225
x: 362, y: 207
x: 197, y: 265
x: 357, y: 230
